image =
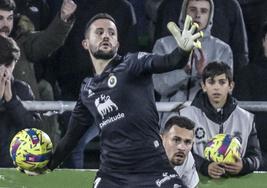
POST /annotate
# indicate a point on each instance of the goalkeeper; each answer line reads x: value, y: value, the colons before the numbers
x: 215, y: 111
x: 119, y: 100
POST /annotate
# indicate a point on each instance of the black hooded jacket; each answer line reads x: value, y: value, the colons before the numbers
x: 224, y: 119
x: 14, y: 117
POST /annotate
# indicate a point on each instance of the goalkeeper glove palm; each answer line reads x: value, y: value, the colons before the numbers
x: 188, y: 39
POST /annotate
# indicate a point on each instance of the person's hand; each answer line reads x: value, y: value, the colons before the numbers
x: 2, y: 81
x: 8, y: 92
x: 234, y: 168
x: 200, y: 61
x: 36, y: 172
x: 186, y: 40
x: 215, y: 170
x: 67, y: 9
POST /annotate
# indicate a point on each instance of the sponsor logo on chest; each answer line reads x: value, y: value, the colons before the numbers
x: 106, y: 106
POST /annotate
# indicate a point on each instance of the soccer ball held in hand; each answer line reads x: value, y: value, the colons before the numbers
x: 223, y: 148
x: 30, y: 150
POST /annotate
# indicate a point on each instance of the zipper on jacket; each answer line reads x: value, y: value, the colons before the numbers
x: 221, y: 121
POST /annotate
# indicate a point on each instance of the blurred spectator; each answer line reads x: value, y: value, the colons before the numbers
x: 253, y: 13
x: 251, y: 85
x: 183, y: 84
x: 142, y: 25
x: 37, y: 11
x: 158, y: 18
x: 228, y: 26
x: 36, y: 15
x: 13, y: 116
x: 35, y: 46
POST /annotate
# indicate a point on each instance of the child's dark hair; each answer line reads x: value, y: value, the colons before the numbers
x: 97, y: 17
x: 9, y: 51
x: 179, y: 121
x: 7, y: 5
x: 215, y: 69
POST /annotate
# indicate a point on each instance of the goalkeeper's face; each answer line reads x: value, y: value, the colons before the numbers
x: 102, y: 39
x: 177, y: 143
x: 199, y: 10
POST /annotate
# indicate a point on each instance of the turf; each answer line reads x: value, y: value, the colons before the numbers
x: 11, y: 178
x: 66, y: 178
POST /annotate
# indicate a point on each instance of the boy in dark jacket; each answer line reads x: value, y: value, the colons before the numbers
x: 13, y: 116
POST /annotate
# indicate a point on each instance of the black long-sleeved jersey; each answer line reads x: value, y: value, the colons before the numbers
x: 120, y: 101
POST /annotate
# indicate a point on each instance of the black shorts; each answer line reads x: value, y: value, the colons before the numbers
x: 156, y: 180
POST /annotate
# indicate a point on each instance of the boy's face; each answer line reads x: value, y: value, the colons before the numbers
x: 177, y: 143
x: 217, y: 89
x: 199, y: 10
x: 6, y: 70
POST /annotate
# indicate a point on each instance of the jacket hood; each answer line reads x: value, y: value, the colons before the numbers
x: 207, y: 30
x: 201, y: 101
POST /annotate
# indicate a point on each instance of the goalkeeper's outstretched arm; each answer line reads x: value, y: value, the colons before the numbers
x: 67, y: 143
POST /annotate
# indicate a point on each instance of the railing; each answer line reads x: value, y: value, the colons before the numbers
x: 55, y: 107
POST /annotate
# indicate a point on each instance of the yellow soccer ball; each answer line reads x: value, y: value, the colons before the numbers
x: 30, y: 149
x: 222, y: 148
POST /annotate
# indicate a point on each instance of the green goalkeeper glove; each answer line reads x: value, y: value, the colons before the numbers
x: 186, y: 40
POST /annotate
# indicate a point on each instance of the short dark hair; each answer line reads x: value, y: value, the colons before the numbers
x: 9, y: 50
x: 215, y: 69
x: 7, y: 5
x: 179, y: 121
x: 97, y: 17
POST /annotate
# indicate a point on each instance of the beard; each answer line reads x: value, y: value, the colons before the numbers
x: 5, y: 30
x: 178, y: 160
x: 100, y: 54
